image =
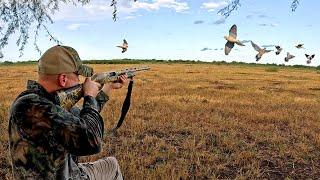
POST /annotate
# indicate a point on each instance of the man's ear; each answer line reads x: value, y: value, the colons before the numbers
x: 62, y: 80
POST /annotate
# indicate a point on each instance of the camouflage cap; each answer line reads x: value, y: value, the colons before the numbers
x: 62, y: 59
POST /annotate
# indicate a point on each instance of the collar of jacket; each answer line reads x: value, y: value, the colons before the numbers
x: 35, y: 87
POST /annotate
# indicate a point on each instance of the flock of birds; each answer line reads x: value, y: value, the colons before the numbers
x: 232, y: 39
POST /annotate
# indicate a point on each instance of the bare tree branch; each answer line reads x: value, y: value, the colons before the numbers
x: 226, y: 11
x: 294, y: 5
x: 235, y: 4
x: 114, y: 13
x: 18, y: 16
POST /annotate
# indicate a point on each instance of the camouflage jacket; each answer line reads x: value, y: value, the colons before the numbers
x: 44, y: 137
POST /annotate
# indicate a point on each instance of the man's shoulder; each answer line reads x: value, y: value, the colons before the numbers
x: 28, y: 105
x: 25, y: 99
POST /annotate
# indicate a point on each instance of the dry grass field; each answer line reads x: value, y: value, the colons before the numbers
x: 202, y: 121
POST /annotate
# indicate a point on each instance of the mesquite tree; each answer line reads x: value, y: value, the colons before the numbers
x: 234, y: 4
x: 17, y: 16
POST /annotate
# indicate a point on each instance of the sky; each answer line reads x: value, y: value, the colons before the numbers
x: 181, y: 29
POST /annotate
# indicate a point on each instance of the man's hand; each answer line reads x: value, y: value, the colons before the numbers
x: 90, y: 87
x: 107, y: 88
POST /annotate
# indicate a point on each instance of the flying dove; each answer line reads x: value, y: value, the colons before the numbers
x: 232, y: 38
x: 299, y: 46
x: 124, y: 46
x: 260, y: 51
x: 309, y: 57
x: 289, y: 56
x: 279, y: 49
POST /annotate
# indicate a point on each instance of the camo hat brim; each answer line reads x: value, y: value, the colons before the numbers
x: 85, y: 71
x: 63, y: 59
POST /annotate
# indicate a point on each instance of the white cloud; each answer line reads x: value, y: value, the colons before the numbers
x: 213, y: 5
x: 271, y: 25
x: 130, y: 7
x: 97, y: 7
x: 130, y: 17
x: 95, y: 10
x: 75, y: 26
x: 101, y: 9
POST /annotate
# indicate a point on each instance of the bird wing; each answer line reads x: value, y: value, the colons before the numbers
x: 299, y: 46
x: 278, y: 47
x: 227, y: 48
x: 307, y: 56
x: 233, y: 31
x: 255, y: 47
x: 240, y: 43
x: 313, y: 55
x: 290, y: 56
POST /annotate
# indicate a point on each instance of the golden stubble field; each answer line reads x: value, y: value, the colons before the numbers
x: 200, y: 121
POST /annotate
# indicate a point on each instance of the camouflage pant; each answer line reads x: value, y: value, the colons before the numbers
x: 102, y: 169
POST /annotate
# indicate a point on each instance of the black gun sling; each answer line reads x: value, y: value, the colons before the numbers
x: 125, y: 107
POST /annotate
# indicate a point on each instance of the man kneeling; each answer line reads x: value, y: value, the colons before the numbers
x: 45, y: 139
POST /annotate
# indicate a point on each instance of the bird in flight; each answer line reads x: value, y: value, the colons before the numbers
x: 309, y: 57
x: 260, y: 51
x: 279, y: 49
x: 299, y: 46
x: 289, y: 56
x: 232, y: 38
x: 124, y: 46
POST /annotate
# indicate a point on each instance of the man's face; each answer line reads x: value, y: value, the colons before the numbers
x: 72, y: 80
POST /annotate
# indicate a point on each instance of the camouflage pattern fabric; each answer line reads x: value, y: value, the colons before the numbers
x: 45, y: 138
